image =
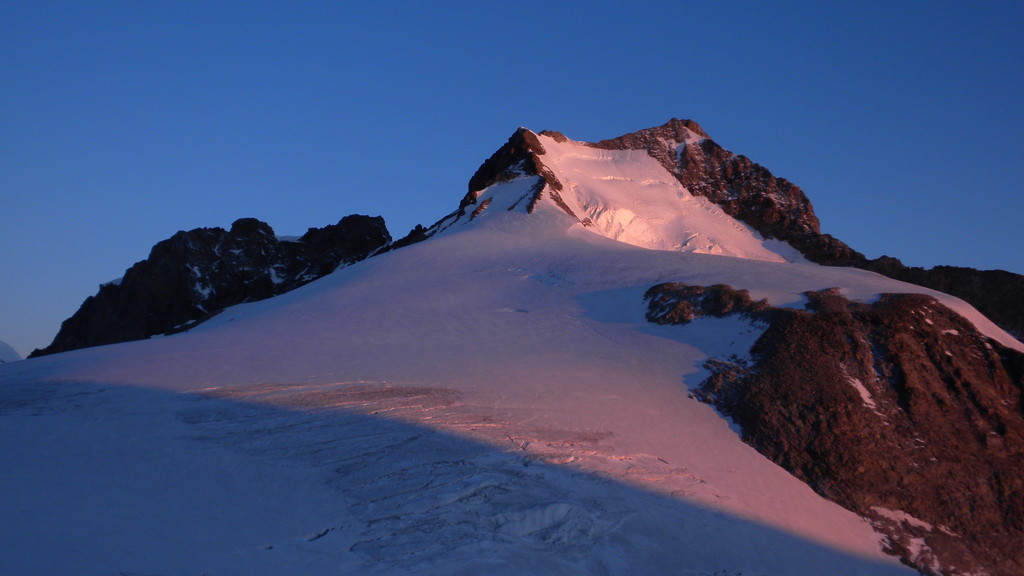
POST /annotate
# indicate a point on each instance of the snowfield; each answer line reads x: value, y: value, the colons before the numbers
x: 489, y: 401
x: 630, y: 197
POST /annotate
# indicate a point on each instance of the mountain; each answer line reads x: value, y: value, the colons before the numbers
x: 623, y: 195
x: 8, y: 354
x: 777, y: 208
x: 823, y: 379
x: 774, y: 207
x: 196, y: 274
x: 587, y: 367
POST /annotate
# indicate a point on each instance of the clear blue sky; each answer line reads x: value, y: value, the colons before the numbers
x: 123, y: 122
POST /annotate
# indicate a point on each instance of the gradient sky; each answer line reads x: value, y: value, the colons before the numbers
x: 123, y: 122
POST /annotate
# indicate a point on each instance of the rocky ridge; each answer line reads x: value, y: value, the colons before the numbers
x: 898, y: 410
x: 520, y: 156
x: 194, y: 274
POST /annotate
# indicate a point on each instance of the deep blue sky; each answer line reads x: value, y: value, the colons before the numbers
x: 123, y: 122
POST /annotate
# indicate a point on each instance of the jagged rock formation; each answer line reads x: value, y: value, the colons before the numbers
x: 195, y: 274
x: 898, y: 410
x: 779, y: 209
x: 520, y: 156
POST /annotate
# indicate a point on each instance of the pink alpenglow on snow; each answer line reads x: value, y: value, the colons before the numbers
x: 489, y: 400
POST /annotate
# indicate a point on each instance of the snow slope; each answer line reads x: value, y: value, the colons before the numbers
x: 628, y: 196
x: 488, y: 401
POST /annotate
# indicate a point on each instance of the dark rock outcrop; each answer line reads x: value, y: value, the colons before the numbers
x: 997, y: 294
x: 517, y: 157
x: 674, y: 303
x: 520, y: 156
x: 776, y: 208
x: 898, y: 410
x: 195, y: 274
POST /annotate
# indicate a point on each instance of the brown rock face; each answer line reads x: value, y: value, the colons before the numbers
x: 997, y: 294
x: 195, y: 274
x: 898, y: 410
x: 517, y: 157
x: 520, y: 156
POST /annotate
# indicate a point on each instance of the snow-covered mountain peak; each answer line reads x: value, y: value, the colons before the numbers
x: 622, y: 193
x: 532, y: 390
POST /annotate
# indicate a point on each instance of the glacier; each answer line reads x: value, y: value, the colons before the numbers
x: 490, y: 400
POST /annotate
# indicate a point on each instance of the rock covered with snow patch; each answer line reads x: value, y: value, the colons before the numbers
x: 899, y: 404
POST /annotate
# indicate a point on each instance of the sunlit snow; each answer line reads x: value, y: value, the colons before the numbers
x: 631, y: 198
x: 490, y: 400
